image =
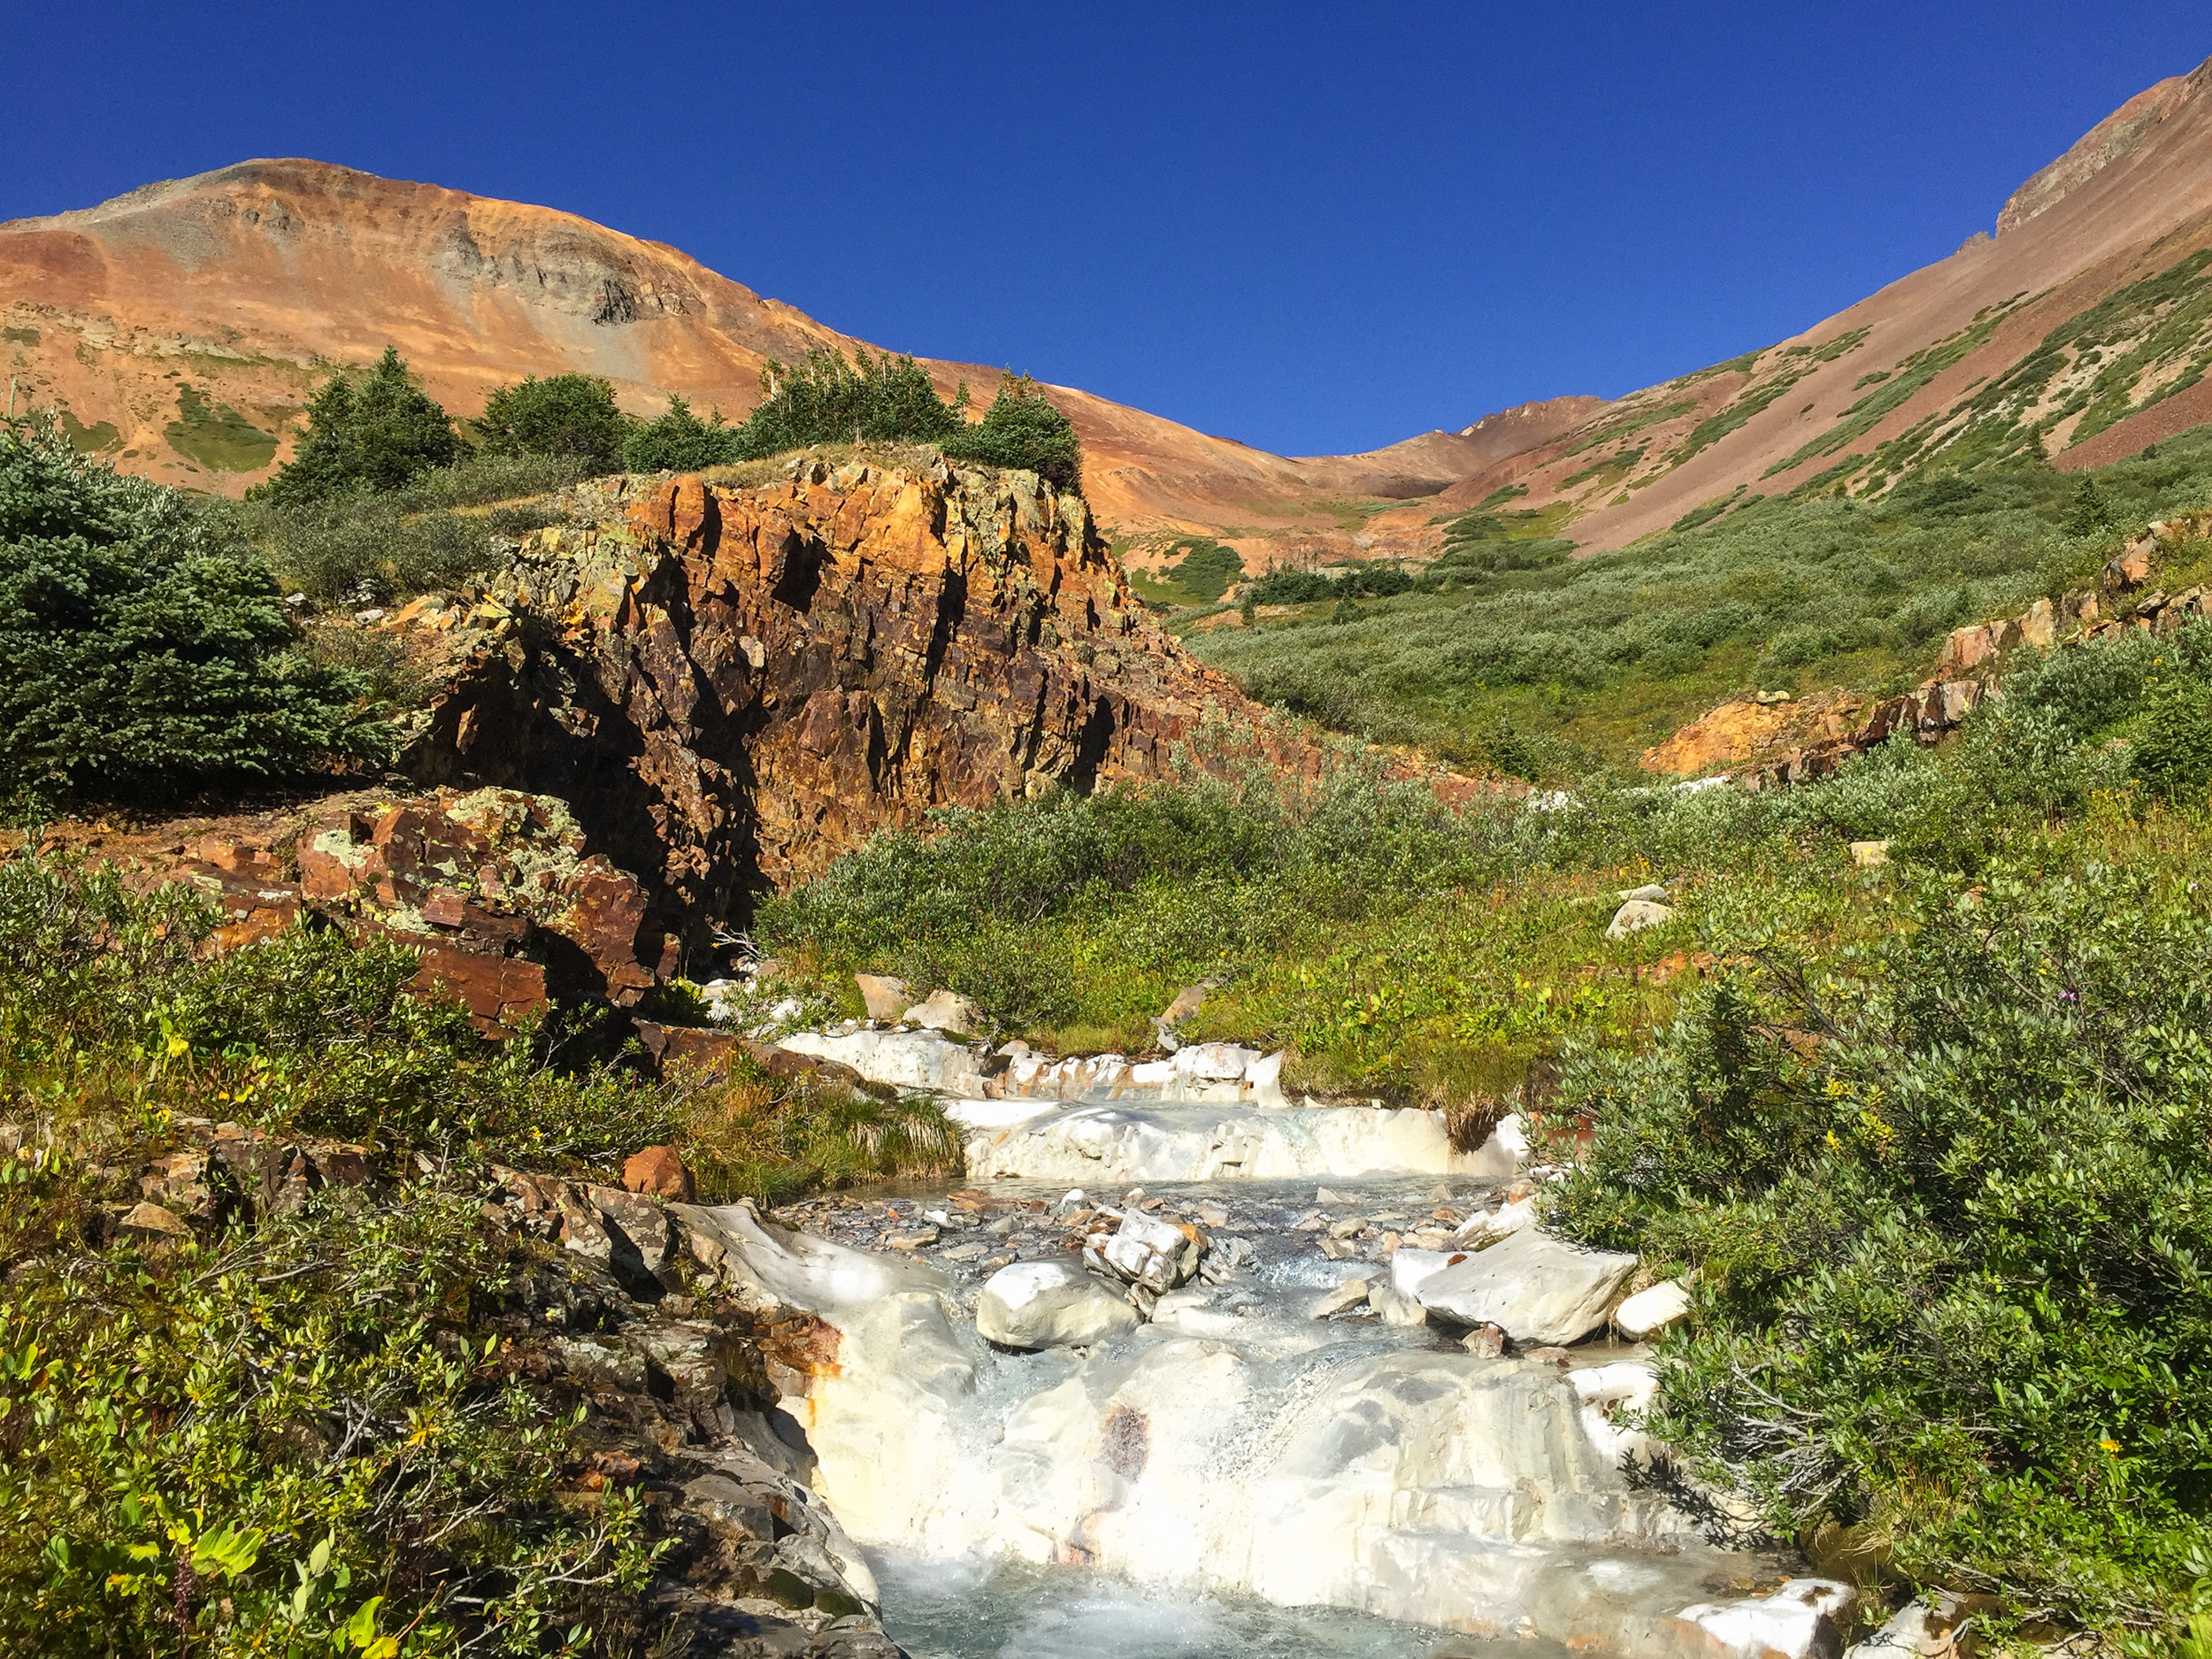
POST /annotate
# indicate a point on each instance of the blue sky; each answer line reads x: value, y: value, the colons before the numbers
x: 1317, y: 228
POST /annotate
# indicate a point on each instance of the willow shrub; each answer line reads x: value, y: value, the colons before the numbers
x: 1951, y: 1199
x: 303, y: 1439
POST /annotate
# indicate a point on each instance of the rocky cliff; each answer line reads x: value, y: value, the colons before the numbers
x: 730, y: 684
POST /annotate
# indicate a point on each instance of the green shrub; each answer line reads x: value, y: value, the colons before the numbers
x: 1952, y: 1199
x: 2173, y: 745
x: 1614, y: 651
x: 142, y: 650
x: 679, y: 441
x: 1023, y: 429
x: 572, y: 415
x: 829, y: 400
x: 303, y: 1439
x: 377, y: 437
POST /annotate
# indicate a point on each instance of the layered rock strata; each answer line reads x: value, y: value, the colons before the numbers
x: 730, y: 686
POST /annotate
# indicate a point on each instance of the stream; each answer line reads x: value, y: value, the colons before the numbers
x: 1237, y: 1449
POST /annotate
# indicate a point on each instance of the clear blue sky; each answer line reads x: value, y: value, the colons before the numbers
x: 1315, y: 227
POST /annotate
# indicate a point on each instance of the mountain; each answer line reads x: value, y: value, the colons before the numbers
x: 2084, y: 324
x: 182, y: 326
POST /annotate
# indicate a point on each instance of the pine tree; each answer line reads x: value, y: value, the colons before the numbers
x: 377, y: 437
x: 570, y: 415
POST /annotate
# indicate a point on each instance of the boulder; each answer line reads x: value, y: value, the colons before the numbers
x: 1050, y: 1304
x: 1635, y: 915
x: 887, y: 998
x: 1394, y: 1305
x: 1540, y: 1290
x: 153, y: 1224
x: 1151, y: 1254
x: 1942, y: 1626
x: 947, y: 1011
x: 1346, y: 1293
x: 1486, y: 1341
x: 658, y: 1172
x: 1801, y: 1618
x: 1650, y: 893
x: 1647, y: 1313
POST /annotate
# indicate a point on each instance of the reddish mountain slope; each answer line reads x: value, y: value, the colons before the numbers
x: 2084, y: 323
x: 182, y: 326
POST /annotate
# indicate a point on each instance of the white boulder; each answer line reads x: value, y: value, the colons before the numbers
x: 1050, y: 1304
x: 1151, y: 1254
x: 1797, y: 1621
x: 1541, y: 1291
x: 1647, y: 1313
x: 1636, y: 915
x: 947, y: 1011
x: 1394, y: 1306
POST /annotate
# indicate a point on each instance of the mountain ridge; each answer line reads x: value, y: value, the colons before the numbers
x: 181, y: 325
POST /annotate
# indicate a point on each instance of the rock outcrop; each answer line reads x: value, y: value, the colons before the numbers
x: 1773, y: 740
x: 492, y: 889
x: 733, y: 684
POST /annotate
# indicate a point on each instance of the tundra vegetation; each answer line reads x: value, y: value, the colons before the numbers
x: 306, y: 1436
x: 1505, y: 651
x: 1934, y: 1134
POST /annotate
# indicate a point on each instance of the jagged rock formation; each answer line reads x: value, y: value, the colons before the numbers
x: 730, y: 686
x: 494, y: 889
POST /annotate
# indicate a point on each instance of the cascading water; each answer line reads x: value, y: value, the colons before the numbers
x: 1235, y: 1471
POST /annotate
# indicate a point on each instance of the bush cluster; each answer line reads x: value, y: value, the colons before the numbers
x: 1614, y: 651
x: 143, y: 646
x: 1951, y: 1197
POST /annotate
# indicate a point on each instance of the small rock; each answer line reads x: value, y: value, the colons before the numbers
x: 1348, y: 1293
x: 1484, y: 1341
x: 1650, y: 893
x: 1647, y: 1313
x: 1870, y: 855
x: 1049, y: 1304
x: 1394, y: 1306
x: 887, y: 998
x: 658, y: 1172
x: 1211, y: 1214
x: 947, y: 1011
x: 1558, y: 1357
x: 1635, y: 915
x: 913, y: 1240
x: 154, y: 1222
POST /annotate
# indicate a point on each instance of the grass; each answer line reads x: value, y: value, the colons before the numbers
x: 1593, y: 659
x: 218, y: 436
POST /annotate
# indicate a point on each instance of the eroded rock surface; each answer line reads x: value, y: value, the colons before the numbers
x: 733, y: 684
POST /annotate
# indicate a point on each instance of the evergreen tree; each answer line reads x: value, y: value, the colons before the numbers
x: 827, y: 400
x: 570, y: 415
x: 1022, y: 428
x: 2088, y: 512
x: 378, y: 435
x: 679, y: 441
x: 142, y: 648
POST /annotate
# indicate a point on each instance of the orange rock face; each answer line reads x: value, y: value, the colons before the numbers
x: 731, y: 685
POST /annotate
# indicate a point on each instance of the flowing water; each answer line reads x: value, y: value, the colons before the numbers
x: 1236, y: 1476
x: 973, y: 1610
